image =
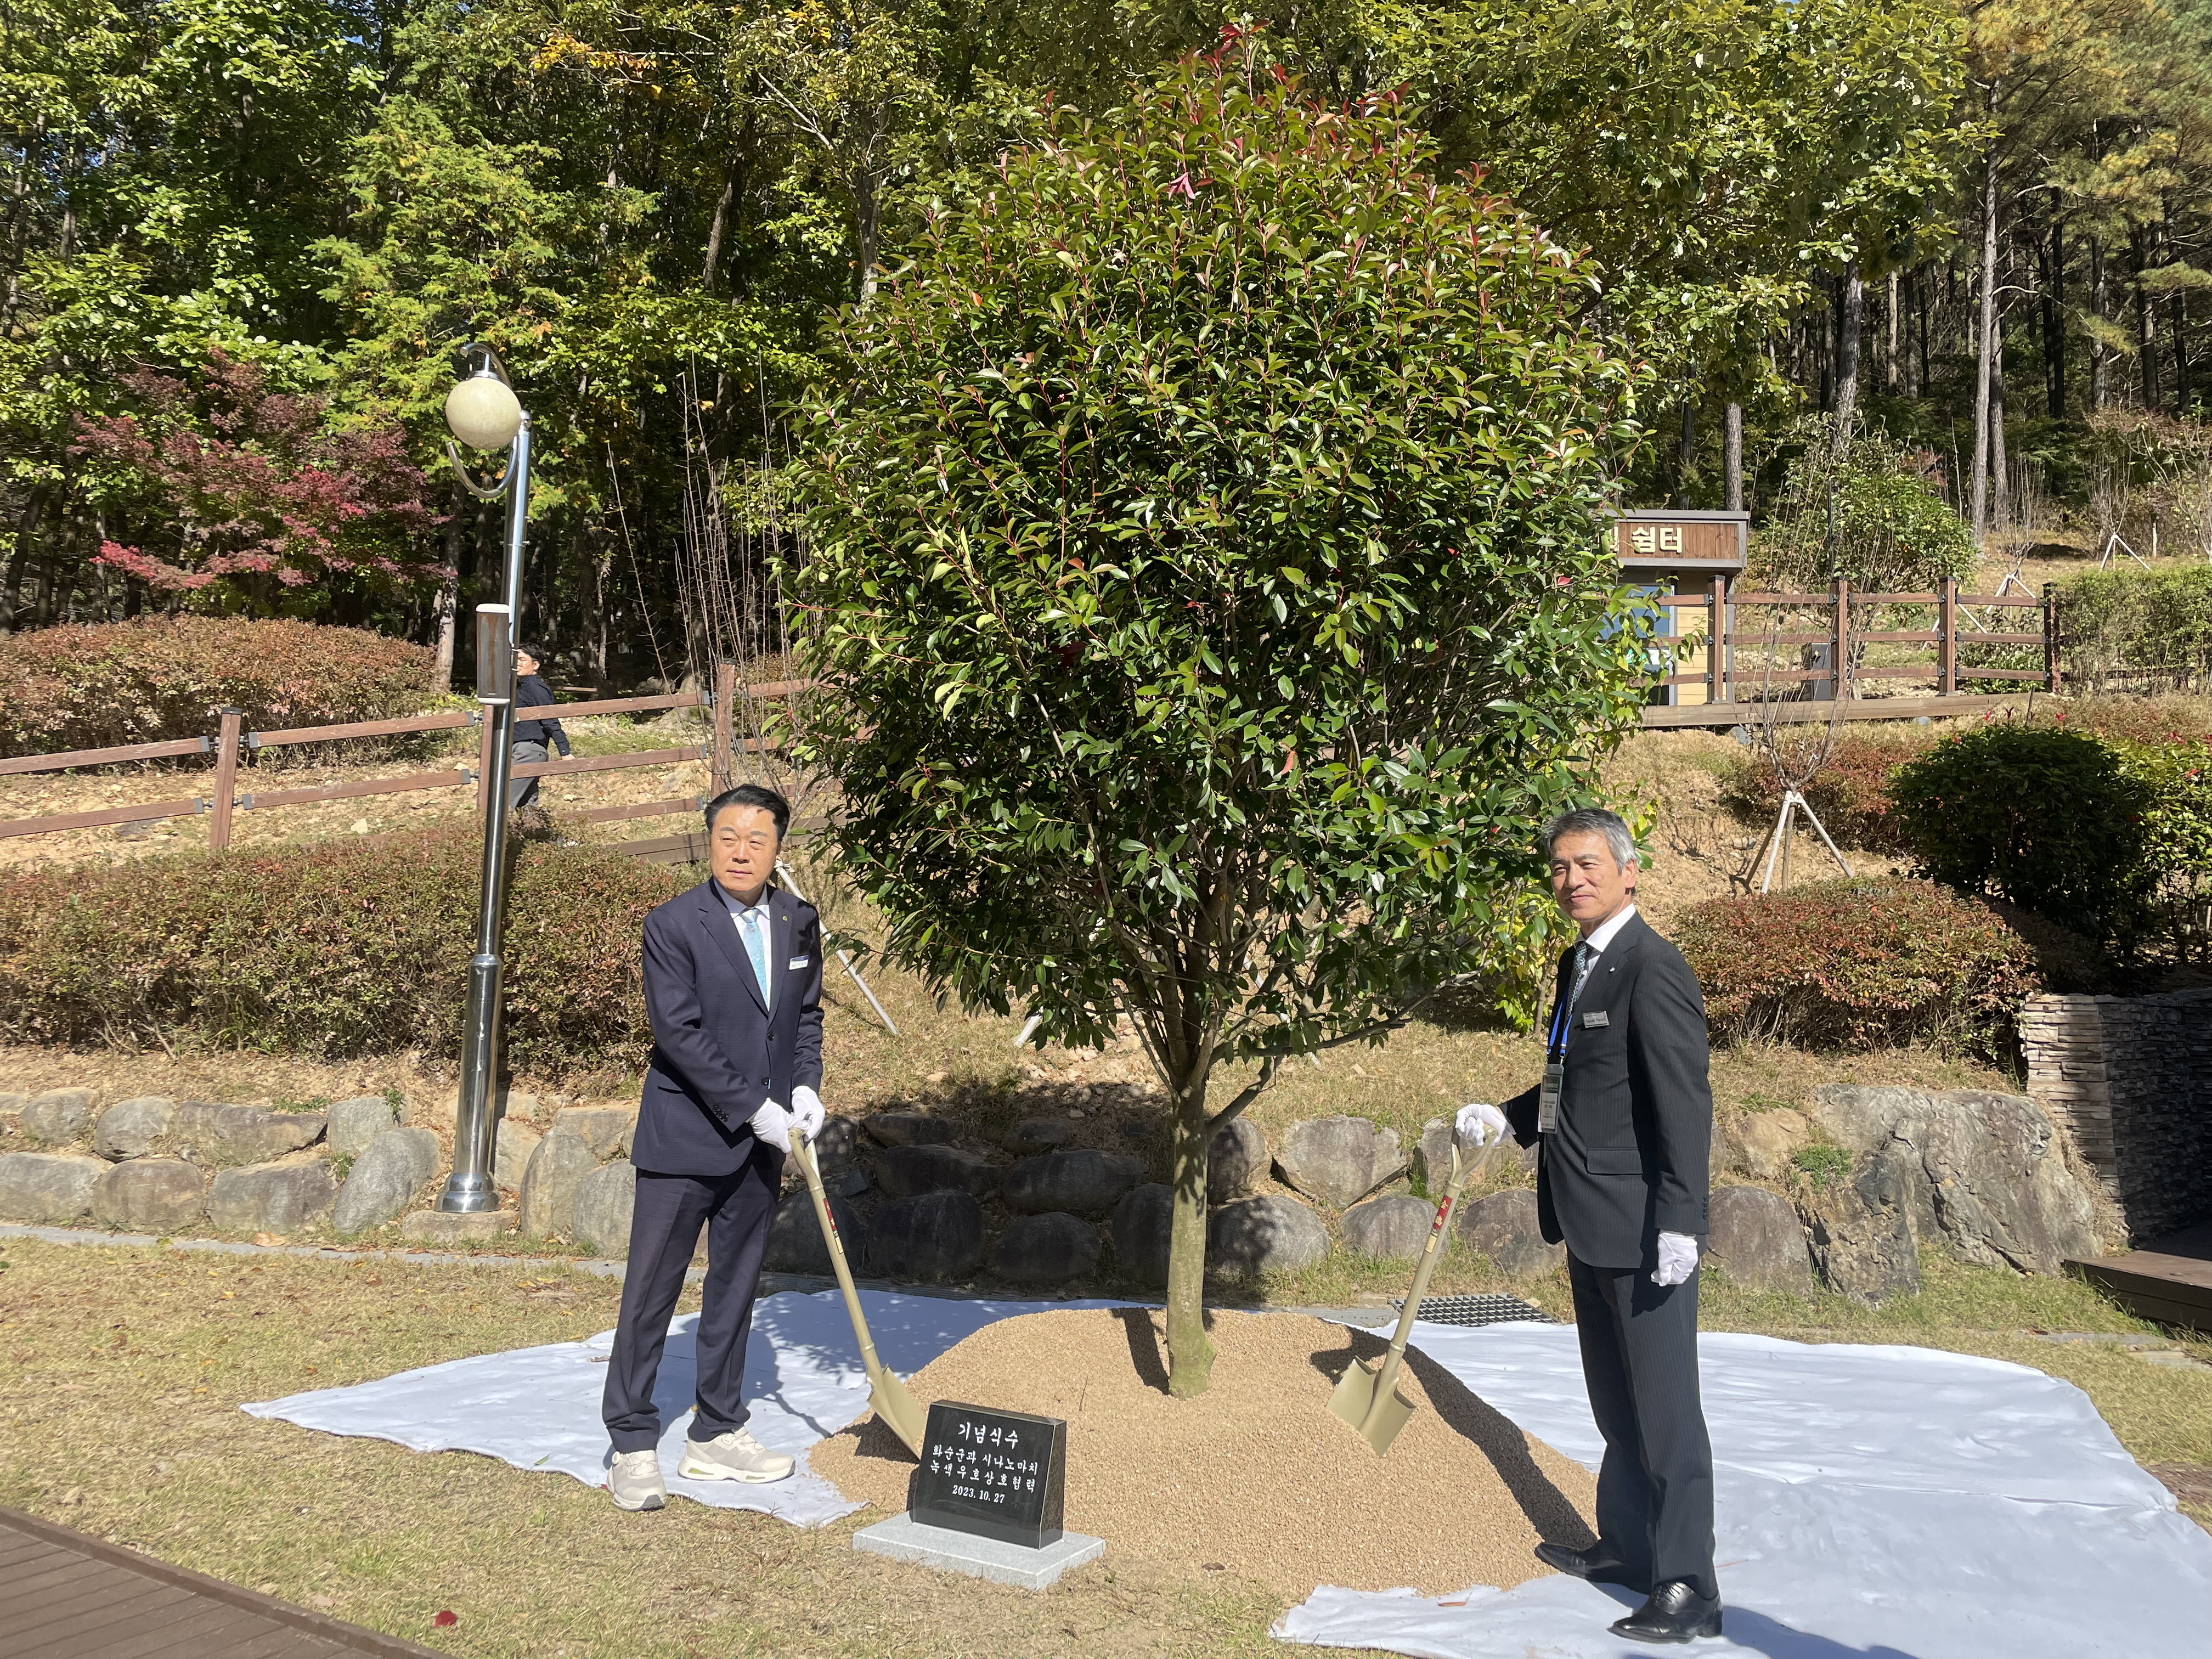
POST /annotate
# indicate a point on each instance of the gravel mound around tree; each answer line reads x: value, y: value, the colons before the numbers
x: 1254, y: 1478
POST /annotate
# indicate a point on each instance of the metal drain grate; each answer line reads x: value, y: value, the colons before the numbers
x: 1478, y: 1311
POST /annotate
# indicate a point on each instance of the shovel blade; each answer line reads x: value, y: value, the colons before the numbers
x: 895, y: 1404
x: 1378, y: 1419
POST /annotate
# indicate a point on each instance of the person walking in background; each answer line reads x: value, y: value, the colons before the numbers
x: 1624, y: 1121
x: 734, y: 985
x: 531, y: 736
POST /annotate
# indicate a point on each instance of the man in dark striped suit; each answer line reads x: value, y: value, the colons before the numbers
x: 1624, y: 1121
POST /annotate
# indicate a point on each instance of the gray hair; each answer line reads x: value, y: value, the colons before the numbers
x: 1593, y: 821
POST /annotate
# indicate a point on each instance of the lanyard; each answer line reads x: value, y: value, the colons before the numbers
x: 1556, y: 1048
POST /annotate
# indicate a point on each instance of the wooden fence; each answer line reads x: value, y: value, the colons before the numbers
x: 1839, y: 640
x: 230, y: 743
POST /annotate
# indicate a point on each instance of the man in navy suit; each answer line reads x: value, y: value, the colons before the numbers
x: 1624, y: 1119
x: 733, y: 982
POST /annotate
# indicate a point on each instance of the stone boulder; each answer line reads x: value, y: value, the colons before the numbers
x: 1392, y: 1228
x: 512, y: 1143
x: 1757, y: 1240
x: 272, y: 1198
x: 605, y: 1129
x: 1338, y: 1161
x: 1760, y: 1142
x: 48, y: 1187
x: 350, y: 1124
x: 1986, y: 1174
x: 1506, y: 1228
x: 1048, y: 1249
x: 130, y: 1128
x: 151, y: 1195
x: 214, y: 1136
x: 911, y: 1129
x: 1265, y: 1234
x: 599, y: 1215
x: 59, y: 1116
x: 549, y: 1181
x: 1143, y: 1222
x: 1081, y: 1182
x: 385, y: 1179
x: 1038, y: 1135
x: 1432, y: 1157
x: 912, y: 1168
x: 1235, y: 1158
x: 837, y: 1146
x: 1862, y: 1230
x: 931, y: 1235
x: 795, y: 1244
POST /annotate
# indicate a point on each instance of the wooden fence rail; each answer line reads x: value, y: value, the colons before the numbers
x: 230, y: 743
x: 1729, y: 684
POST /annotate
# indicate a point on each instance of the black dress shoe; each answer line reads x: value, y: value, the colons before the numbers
x: 1675, y: 1613
x: 1600, y: 1565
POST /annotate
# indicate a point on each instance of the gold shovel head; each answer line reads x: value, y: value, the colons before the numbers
x: 1378, y: 1420
x: 895, y: 1404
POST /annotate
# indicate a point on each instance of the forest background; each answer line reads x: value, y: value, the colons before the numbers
x: 240, y: 239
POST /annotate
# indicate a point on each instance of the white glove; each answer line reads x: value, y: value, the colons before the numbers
x: 1678, y: 1259
x: 773, y: 1125
x: 806, y: 1113
x: 1480, y: 1124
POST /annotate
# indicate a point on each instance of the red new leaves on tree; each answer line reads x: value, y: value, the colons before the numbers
x: 226, y: 482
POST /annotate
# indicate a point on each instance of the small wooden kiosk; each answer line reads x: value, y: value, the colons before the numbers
x: 1686, y: 559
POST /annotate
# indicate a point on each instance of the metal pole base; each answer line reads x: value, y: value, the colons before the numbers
x: 466, y: 1195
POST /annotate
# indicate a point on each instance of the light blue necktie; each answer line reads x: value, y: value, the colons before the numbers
x: 755, y: 947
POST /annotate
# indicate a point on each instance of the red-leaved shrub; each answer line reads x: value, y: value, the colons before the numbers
x: 1850, y: 793
x: 1859, y: 965
x: 344, y: 948
x: 94, y: 686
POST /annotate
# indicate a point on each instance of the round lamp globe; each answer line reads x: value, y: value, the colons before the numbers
x: 483, y: 413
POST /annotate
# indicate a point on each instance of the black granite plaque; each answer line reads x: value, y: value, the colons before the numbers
x: 997, y: 1474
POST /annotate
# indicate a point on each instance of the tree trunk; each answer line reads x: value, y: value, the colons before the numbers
x: 866, y: 211
x: 1732, y: 456
x: 1920, y: 299
x: 1190, y: 1351
x: 2146, y: 328
x: 1979, y: 495
x: 446, y: 606
x: 1851, y: 323
x: 715, y: 232
x: 2098, y: 390
x: 2054, y: 324
x: 2000, y: 483
x: 1890, y: 377
x: 1686, y: 452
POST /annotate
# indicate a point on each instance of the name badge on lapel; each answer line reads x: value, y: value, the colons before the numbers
x: 1547, y: 1099
x: 1594, y: 1019
x: 798, y: 961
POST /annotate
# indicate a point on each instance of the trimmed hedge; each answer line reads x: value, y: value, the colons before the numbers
x: 1859, y: 965
x: 95, y: 686
x: 337, y: 950
x: 2132, y: 624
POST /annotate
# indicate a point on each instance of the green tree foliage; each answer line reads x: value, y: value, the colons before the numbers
x: 1874, y: 516
x: 1204, y: 541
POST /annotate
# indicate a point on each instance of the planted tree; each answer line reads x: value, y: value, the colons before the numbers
x: 1203, y: 545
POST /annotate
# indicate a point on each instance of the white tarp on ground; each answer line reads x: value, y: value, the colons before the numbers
x: 1874, y: 1503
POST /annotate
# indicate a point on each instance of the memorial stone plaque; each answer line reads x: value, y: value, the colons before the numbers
x: 993, y: 1473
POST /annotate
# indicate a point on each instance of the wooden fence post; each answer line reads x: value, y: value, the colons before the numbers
x: 1839, y: 675
x: 2051, y: 637
x: 484, y: 762
x: 225, y: 779
x: 721, y: 773
x: 1947, y: 646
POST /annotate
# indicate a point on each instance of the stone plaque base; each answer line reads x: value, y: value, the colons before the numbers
x: 904, y: 1539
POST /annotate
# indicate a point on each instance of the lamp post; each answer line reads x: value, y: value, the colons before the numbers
x: 483, y: 413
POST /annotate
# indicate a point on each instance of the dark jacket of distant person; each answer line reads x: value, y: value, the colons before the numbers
x: 1629, y: 1158
x: 717, y: 1053
x: 532, y: 692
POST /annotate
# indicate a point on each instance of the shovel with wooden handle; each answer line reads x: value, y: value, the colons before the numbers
x: 893, y: 1402
x: 1368, y: 1398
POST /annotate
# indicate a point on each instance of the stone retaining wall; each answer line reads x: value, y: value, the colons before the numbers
x: 2131, y: 1078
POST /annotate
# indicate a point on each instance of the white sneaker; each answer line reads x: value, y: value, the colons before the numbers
x: 635, y: 1480
x: 733, y: 1456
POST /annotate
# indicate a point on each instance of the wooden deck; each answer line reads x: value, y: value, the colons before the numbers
x: 65, y: 1595
x: 2169, y: 1280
